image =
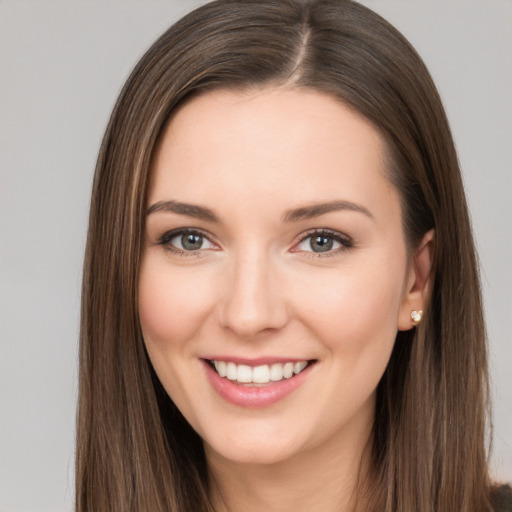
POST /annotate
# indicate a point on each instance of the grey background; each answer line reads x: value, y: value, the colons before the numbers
x: 62, y: 64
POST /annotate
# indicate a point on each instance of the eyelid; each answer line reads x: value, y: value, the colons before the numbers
x: 165, y: 239
x: 346, y: 241
x: 342, y: 238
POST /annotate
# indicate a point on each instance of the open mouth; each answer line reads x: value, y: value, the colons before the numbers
x: 261, y: 374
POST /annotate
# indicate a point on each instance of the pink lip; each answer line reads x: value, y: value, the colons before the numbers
x: 253, y: 397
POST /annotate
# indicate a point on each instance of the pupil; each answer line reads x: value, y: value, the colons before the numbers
x: 191, y: 242
x: 321, y: 244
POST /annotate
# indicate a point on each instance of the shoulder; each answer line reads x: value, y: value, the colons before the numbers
x: 501, y: 498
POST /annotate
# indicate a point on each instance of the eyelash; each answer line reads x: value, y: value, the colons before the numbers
x: 165, y: 241
x: 345, y: 241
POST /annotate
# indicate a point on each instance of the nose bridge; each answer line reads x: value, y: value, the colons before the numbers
x: 252, y: 300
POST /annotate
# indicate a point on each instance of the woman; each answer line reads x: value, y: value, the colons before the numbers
x: 281, y: 305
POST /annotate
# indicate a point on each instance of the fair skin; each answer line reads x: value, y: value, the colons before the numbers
x: 241, y: 266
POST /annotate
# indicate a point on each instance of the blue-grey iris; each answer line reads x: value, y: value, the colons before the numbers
x: 191, y: 242
x: 321, y: 243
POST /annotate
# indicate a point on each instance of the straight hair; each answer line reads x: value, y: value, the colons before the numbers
x: 135, y: 451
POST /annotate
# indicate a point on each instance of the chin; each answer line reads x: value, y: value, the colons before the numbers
x: 243, y: 451
x: 253, y: 457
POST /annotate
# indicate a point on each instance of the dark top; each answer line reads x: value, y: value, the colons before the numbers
x: 502, y: 499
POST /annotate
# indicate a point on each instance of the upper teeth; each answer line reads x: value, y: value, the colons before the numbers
x: 258, y: 374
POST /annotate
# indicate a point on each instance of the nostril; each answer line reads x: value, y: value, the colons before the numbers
x: 250, y: 319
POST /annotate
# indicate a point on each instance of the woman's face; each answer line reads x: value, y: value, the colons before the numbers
x: 275, y: 252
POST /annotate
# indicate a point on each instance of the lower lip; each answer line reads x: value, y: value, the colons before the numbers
x: 248, y: 396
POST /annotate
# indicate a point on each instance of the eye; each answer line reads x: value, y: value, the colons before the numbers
x: 186, y: 240
x: 324, y: 241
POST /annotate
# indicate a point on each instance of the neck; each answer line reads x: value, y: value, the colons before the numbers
x: 325, y: 478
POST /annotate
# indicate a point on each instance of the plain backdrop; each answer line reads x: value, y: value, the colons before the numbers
x: 62, y: 64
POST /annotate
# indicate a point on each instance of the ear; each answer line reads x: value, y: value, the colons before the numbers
x: 417, y: 282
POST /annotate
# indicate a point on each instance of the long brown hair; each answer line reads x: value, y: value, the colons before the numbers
x: 135, y: 452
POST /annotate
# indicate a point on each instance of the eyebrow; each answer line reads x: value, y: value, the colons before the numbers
x: 317, y: 209
x: 293, y: 215
x: 190, y: 210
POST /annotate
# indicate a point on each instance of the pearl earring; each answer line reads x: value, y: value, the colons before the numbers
x: 416, y: 317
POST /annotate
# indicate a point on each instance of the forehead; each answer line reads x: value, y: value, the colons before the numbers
x: 281, y: 147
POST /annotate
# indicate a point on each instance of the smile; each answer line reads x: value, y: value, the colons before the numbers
x: 258, y: 384
x: 262, y: 374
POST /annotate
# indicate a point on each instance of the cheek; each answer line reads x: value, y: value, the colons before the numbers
x: 171, y: 305
x: 356, y: 307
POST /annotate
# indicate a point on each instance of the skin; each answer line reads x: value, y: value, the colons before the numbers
x: 257, y: 289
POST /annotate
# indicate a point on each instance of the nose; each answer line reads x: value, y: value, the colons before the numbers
x: 253, y: 299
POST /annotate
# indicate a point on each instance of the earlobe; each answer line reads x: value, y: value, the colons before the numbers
x: 418, y: 277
